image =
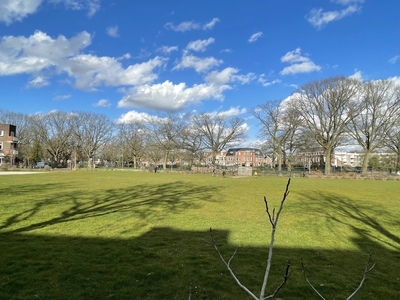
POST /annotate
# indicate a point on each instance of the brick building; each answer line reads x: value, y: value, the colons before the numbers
x: 8, y: 143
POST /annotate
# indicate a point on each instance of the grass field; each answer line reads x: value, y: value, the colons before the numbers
x: 140, y: 235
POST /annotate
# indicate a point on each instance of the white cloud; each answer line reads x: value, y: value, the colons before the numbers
x: 264, y: 81
x: 38, y: 82
x: 16, y: 10
x: 92, y: 71
x: 112, y: 31
x: 167, y: 49
x: 168, y: 96
x: 92, y: 6
x: 299, y: 63
x: 201, y: 65
x: 210, y: 24
x: 200, y: 45
x: 394, y: 59
x: 61, y: 97
x: 102, y: 103
x: 233, y: 111
x: 357, y: 75
x: 182, y: 27
x: 347, y: 2
x: 318, y: 18
x: 40, y: 54
x: 190, y: 25
x: 255, y: 37
x: 134, y: 116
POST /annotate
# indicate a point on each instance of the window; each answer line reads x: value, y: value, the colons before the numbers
x: 1, y: 145
x: 1, y: 132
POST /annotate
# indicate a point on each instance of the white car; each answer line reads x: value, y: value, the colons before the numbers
x: 398, y: 173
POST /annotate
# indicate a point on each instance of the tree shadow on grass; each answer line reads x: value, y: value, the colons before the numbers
x: 362, y: 219
x: 163, y: 263
x: 147, y: 201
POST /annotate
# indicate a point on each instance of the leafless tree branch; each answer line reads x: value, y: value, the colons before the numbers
x: 368, y: 268
x: 274, y: 221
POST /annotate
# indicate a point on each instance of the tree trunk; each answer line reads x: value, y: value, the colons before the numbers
x: 165, y: 160
x: 364, y: 168
x: 279, y: 158
x: 328, y: 157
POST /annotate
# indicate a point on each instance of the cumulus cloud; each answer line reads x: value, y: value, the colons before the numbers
x: 112, y: 31
x: 299, y: 63
x: 135, y: 116
x: 254, y: 37
x: 201, y: 65
x: 16, y: 10
x: 102, y: 103
x: 232, y: 112
x: 40, y: 53
x: 168, y: 96
x: 319, y: 19
x: 394, y: 59
x: 190, y: 25
x: 200, y: 45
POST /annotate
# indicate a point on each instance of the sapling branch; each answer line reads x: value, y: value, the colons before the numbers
x: 273, y: 219
x: 368, y: 268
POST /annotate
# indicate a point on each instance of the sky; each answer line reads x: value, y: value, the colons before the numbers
x: 128, y: 59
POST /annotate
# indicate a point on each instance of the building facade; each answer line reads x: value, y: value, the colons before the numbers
x: 239, y: 157
x: 8, y: 143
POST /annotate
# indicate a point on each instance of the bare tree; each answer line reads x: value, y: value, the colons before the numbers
x: 54, y: 131
x: 380, y: 111
x: 131, y: 139
x: 393, y: 143
x: 327, y: 106
x: 191, y: 141
x: 92, y: 131
x: 219, y: 131
x: 279, y: 125
x: 164, y: 132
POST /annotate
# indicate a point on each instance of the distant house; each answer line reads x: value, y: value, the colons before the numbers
x: 8, y: 143
x: 245, y: 157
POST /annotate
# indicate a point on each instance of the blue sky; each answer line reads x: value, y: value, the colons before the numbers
x: 129, y: 58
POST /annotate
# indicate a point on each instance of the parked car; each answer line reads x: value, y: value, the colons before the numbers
x: 40, y: 165
x: 398, y: 173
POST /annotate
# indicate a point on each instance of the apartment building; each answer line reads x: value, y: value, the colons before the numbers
x: 245, y: 157
x: 8, y: 143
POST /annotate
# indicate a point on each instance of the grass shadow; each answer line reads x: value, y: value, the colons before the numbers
x: 163, y: 263
x: 145, y: 202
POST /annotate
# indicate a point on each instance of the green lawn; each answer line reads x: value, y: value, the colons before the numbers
x: 140, y: 235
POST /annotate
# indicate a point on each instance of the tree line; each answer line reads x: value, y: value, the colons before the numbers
x: 320, y: 115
